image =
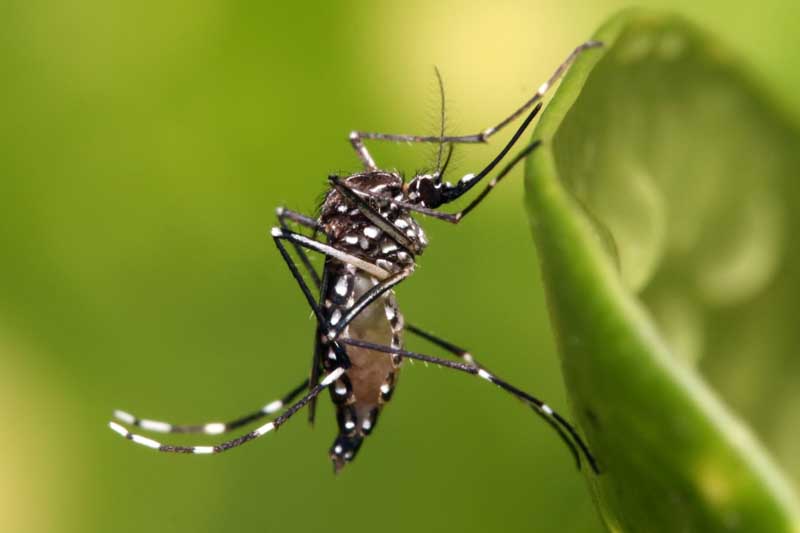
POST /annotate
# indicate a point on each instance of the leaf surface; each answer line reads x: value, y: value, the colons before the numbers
x: 660, y: 204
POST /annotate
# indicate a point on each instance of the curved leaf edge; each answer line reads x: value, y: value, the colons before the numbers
x: 580, y: 275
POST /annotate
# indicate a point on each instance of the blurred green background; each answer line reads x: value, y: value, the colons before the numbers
x: 143, y: 149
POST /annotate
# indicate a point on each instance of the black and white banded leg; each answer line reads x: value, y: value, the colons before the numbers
x: 554, y: 419
x: 211, y: 428
x: 238, y: 441
x: 357, y: 137
x: 285, y: 215
x: 279, y: 234
x: 468, y: 358
x: 461, y: 353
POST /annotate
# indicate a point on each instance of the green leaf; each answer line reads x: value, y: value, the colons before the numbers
x: 659, y: 204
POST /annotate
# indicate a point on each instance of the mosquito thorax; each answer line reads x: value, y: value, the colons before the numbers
x: 349, y: 228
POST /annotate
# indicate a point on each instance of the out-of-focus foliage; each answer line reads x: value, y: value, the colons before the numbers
x: 143, y: 148
x: 654, y: 223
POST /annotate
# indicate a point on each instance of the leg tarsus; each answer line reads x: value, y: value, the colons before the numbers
x: 238, y: 441
x: 211, y: 428
x: 357, y: 137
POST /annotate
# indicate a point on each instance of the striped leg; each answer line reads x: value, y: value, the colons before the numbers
x: 308, y: 222
x: 555, y: 420
x: 357, y: 137
x: 279, y: 234
x: 468, y: 358
x: 211, y: 428
x: 285, y: 215
x: 299, y: 218
x: 461, y: 353
x: 238, y: 441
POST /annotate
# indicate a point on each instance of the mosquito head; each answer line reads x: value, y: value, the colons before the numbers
x: 426, y: 190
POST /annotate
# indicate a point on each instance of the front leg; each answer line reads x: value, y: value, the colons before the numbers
x: 357, y: 137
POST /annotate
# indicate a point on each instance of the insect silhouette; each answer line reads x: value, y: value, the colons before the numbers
x: 370, y: 246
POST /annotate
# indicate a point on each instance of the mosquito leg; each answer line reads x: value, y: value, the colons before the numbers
x: 211, y: 428
x: 461, y: 353
x: 287, y: 214
x: 465, y: 356
x: 215, y: 428
x: 357, y: 137
x: 556, y: 421
x: 238, y: 441
x: 279, y: 234
x: 317, y: 353
x: 361, y: 150
x: 308, y: 222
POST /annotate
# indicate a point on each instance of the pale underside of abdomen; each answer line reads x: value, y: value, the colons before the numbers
x: 373, y: 374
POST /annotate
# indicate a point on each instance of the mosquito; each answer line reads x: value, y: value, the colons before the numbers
x: 370, y: 243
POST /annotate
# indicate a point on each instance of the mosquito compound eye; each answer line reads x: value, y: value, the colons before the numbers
x: 429, y: 192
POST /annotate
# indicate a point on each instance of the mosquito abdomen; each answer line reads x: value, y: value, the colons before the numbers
x: 368, y: 384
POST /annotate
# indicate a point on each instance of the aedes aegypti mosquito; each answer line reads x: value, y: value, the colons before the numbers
x: 371, y: 243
